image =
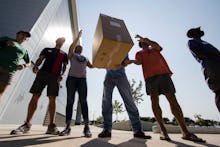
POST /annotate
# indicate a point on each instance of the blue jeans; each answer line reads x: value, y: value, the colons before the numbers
x: 76, y: 84
x: 121, y: 82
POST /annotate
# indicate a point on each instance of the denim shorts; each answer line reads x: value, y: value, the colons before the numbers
x: 44, y: 79
x: 159, y: 84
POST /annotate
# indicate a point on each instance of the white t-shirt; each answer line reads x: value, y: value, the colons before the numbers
x: 78, y: 66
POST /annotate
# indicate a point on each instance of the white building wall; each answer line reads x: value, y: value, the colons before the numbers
x: 53, y: 21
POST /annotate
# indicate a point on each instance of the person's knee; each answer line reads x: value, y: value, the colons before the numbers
x: 35, y: 97
x: 52, y: 99
x: 154, y: 99
x: 83, y: 102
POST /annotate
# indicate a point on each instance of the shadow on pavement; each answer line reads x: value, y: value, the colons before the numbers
x: 104, y: 143
x: 32, y: 141
x: 5, y: 136
x: 180, y: 144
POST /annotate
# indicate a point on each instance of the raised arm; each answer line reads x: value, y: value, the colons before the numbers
x: 73, y: 45
x: 151, y: 43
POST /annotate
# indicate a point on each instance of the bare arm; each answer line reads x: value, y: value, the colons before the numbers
x: 73, y: 45
x: 63, y: 69
x: 136, y: 62
x: 22, y: 66
x: 123, y: 64
x: 38, y: 63
x: 89, y: 64
x: 153, y: 44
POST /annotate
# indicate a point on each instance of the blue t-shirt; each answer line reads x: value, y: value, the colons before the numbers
x: 54, y: 59
x: 118, y: 72
x: 199, y: 47
x: 210, y: 64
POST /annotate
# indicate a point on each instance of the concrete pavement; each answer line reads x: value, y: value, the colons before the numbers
x: 38, y: 138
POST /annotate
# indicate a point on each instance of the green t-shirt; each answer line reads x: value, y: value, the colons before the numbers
x: 11, y: 55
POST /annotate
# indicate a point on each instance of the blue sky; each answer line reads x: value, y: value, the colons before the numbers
x: 164, y: 21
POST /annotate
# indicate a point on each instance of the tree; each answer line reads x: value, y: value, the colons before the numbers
x: 148, y: 119
x: 166, y: 120
x: 117, y: 108
x: 136, y: 92
x: 199, y: 120
x: 99, y: 120
x: 188, y: 121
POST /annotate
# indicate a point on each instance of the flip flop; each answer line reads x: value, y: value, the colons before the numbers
x: 165, y: 138
x: 194, y: 138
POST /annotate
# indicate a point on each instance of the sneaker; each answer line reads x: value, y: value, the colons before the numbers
x: 52, y: 130
x: 105, y: 134
x: 65, y: 132
x: 87, y: 132
x: 25, y: 128
x: 141, y: 135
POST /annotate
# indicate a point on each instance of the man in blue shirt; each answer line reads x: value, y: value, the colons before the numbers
x: 119, y: 79
x: 209, y: 57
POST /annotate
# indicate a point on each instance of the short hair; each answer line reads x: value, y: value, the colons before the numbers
x: 24, y: 32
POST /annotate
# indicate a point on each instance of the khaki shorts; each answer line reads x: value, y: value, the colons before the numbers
x: 159, y: 84
x: 44, y: 79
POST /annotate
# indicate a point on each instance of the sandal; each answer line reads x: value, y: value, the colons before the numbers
x: 165, y: 138
x: 194, y: 138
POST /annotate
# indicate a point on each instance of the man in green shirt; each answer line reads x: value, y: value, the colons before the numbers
x: 11, y: 52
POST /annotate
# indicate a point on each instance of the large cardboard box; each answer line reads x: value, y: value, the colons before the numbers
x: 111, y: 42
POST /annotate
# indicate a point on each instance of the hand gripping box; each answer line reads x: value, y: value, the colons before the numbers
x: 111, y: 42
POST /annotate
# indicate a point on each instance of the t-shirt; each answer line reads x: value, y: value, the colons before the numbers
x: 153, y: 63
x: 210, y: 64
x: 11, y: 55
x: 118, y: 72
x: 78, y: 66
x: 199, y: 47
x: 54, y: 58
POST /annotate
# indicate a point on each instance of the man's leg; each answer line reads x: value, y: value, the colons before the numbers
x: 32, y: 107
x: 107, y: 107
x: 107, y: 103
x: 217, y: 99
x: 177, y: 112
x: 158, y: 115
x: 31, y: 110
x: 52, y: 109
x: 126, y: 94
